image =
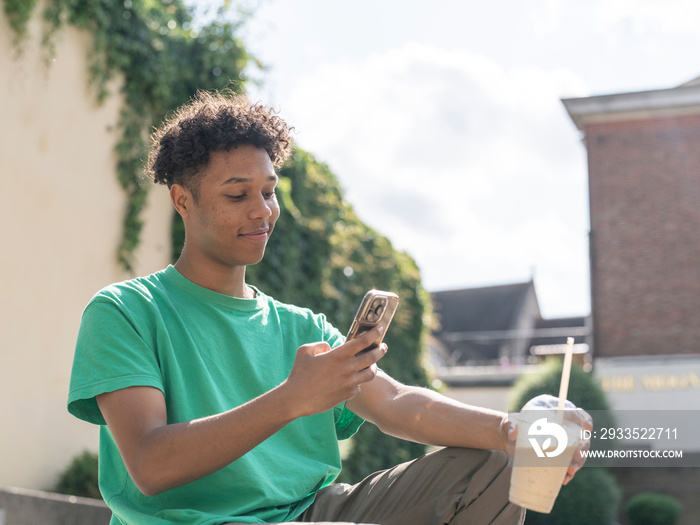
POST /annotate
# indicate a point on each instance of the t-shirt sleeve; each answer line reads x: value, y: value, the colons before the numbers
x: 110, y: 354
x: 347, y: 423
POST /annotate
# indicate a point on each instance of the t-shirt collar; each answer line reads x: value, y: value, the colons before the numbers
x: 173, y: 276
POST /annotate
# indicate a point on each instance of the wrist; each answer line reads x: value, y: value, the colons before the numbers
x: 290, y: 404
x: 507, y: 432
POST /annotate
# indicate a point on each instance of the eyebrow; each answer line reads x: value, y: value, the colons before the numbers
x: 239, y: 180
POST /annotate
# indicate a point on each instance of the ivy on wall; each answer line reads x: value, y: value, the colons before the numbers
x: 162, y: 58
x: 18, y: 14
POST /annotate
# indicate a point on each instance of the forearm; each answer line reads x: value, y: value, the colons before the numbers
x: 166, y: 456
x: 435, y: 419
x: 425, y: 416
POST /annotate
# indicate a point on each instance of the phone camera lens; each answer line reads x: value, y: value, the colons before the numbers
x: 375, y: 311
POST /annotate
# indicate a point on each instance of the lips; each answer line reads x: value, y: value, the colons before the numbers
x: 256, y: 235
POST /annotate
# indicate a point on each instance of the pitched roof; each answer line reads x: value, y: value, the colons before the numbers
x: 481, y: 325
x: 479, y: 309
x: 693, y: 82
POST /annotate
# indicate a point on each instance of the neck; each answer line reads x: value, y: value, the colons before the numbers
x: 216, y: 277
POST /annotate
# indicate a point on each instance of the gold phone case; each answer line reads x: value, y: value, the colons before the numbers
x: 377, y: 308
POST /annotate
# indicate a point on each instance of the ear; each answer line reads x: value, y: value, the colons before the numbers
x: 182, y: 199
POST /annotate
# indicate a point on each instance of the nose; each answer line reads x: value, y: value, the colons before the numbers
x: 260, y: 208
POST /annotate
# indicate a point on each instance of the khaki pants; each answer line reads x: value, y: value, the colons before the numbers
x: 450, y: 486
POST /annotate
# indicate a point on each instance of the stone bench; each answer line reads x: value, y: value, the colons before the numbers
x: 35, y: 507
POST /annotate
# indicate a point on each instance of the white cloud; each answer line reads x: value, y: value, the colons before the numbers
x: 640, y: 16
x: 550, y: 19
x: 473, y: 169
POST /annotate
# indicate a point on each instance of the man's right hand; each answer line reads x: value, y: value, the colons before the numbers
x: 322, y: 377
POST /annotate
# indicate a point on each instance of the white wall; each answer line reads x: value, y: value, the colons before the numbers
x: 60, y: 224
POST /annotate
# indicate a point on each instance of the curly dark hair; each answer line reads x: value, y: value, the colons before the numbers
x: 213, y: 121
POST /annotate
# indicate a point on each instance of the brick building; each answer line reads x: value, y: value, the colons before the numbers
x: 644, y: 186
x: 644, y: 183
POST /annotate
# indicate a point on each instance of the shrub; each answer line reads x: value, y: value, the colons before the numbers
x: 647, y: 508
x: 80, y: 478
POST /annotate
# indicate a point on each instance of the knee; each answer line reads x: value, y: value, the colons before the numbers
x: 486, y: 477
x: 499, y: 459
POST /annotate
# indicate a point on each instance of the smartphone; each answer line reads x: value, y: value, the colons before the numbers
x: 377, y: 309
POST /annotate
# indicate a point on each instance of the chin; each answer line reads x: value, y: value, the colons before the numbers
x: 253, y: 260
x: 256, y: 261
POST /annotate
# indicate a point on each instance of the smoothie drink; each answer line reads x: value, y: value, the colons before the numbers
x: 541, y: 459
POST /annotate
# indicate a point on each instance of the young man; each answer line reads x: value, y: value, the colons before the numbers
x: 218, y: 404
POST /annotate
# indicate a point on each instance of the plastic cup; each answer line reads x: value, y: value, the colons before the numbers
x: 541, y: 459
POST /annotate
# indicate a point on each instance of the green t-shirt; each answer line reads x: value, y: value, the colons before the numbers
x: 207, y: 353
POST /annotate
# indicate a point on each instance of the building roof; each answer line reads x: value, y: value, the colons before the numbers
x: 693, y: 82
x: 679, y: 100
x: 484, y: 325
x: 479, y: 309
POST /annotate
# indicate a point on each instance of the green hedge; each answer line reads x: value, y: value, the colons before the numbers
x: 80, y: 477
x: 647, y: 508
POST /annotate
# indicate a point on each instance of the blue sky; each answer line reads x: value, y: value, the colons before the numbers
x: 444, y: 123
